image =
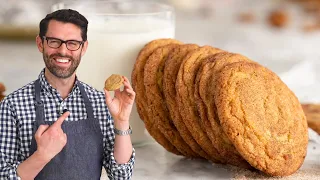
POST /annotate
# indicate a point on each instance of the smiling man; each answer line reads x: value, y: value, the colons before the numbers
x: 58, y: 127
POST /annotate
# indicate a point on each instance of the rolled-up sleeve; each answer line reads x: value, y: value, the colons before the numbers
x: 115, y: 171
x: 119, y: 171
x: 8, y: 142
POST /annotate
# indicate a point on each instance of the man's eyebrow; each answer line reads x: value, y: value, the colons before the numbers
x: 63, y: 40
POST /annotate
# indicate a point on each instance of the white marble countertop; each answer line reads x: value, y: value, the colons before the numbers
x: 153, y: 162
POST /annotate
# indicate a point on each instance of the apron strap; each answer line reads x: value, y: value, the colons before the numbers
x: 86, y: 101
x: 39, y: 104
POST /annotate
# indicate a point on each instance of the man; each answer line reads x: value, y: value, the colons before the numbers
x: 58, y: 127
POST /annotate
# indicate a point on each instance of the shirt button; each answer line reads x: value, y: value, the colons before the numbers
x: 62, y: 107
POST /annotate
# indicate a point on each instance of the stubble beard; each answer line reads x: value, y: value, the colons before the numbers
x: 57, y: 71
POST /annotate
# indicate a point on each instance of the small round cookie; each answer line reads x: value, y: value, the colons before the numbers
x: 137, y: 77
x: 262, y: 117
x: 2, y: 88
x: 171, y: 70
x: 113, y: 82
x: 2, y: 97
x: 204, y: 97
x: 312, y: 112
x: 159, y: 114
x: 185, y: 99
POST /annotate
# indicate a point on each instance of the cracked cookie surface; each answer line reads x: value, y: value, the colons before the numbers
x: 137, y: 79
x: 171, y: 70
x: 204, y: 97
x: 113, y: 82
x: 158, y: 111
x: 185, y: 98
x: 262, y: 117
x: 312, y: 112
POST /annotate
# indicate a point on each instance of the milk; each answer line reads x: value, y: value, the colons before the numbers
x: 113, y: 48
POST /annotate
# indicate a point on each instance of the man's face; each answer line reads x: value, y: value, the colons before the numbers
x: 62, y: 62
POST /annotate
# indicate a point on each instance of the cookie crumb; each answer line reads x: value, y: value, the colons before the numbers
x: 246, y: 17
x: 311, y: 27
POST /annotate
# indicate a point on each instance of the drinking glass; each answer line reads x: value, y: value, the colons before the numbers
x: 117, y: 31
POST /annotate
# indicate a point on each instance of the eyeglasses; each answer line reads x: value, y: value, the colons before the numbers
x: 55, y: 43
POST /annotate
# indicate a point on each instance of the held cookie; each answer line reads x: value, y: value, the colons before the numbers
x: 185, y: 98
x: 171, y: 70
x: 262, y: 118
x: 113, y: 82
x: 204, y: 97
x: 137, y: 77
x: 312, y: 112
x: 159, y: 115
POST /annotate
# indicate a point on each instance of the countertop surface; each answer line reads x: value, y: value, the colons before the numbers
x: 153, y: 162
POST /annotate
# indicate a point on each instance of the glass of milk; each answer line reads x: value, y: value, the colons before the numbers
x: 117, y: 31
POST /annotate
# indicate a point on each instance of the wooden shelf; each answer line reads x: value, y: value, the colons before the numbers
x: 10, y: 32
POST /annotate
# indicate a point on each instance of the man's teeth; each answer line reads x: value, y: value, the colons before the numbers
x: 63, y: 60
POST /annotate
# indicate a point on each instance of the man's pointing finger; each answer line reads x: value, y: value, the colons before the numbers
x: 61, y: 119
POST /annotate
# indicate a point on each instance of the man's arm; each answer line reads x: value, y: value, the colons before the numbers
x: 50, y: 141
x: 10, y: 167
x: 122, y: 144
x: 31, y: 167
x: 49, y: 144
x: 120, y: 107
x: 9, y: 139
x: 115, y: 169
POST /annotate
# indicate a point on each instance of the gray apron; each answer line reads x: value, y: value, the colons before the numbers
x: 82, y: 156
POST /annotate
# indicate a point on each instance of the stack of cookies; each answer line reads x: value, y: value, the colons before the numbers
x: 203, y: 102
x: 2, y: 89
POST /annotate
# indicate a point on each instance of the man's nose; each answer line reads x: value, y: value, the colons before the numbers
x: 63, y: 49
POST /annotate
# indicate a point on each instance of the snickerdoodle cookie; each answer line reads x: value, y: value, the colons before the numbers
x: 171, y: 69
x: 185, y: 98
x: 2, y: 88
x: 204, y: 97
x: 137, y: 77
x: 262, y: 118
x: 1, y: 97
x: 312, y: 112
x: 113, y: 82
x: 158, y: 111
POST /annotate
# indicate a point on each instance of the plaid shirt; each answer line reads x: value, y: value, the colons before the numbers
x: 17, y: 114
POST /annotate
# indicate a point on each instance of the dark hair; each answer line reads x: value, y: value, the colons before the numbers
x: 66, y: 16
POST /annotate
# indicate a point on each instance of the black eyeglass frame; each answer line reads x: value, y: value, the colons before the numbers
x: 62, y: 41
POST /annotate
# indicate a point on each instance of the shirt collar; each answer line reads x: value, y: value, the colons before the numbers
x: 49, y: 90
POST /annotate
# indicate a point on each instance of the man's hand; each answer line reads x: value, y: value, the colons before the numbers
x: 51, y: 140
x: 120, y: 105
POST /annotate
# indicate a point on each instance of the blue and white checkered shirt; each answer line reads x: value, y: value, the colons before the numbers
x: 17, y: 114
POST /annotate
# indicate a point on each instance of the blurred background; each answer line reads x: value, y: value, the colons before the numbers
x: 283, y: 35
